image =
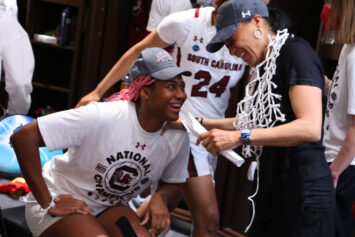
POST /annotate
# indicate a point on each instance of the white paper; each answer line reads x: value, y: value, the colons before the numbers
x: 251, y: 170
x: 195, y: 128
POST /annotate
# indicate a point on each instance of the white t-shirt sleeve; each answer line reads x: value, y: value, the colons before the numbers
x: 176, y: 27
x: 158, y: 10
x: 350, y: 73
x: 176, y: 170
x: 68, y: 128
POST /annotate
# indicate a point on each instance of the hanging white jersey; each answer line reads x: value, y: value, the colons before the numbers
x: 110, y: 157
x: 213, y: 74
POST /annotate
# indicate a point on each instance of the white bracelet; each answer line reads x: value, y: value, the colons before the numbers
x: 51, y: 204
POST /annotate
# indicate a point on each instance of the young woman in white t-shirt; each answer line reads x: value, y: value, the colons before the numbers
x: 115, y: 151
x: 208, y: 93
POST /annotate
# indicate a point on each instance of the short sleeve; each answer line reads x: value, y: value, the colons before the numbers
x: 68, y: 128
x: 350, y: 74
x: 176, y: 27
x: 176, y: 170
x: 158, y: 11
x: 300, y: 64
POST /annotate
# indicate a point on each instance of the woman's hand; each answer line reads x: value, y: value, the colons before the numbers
x: 335, y: 173
x: 217, y: 140
x: 91, y: 97
x: 173, y: 125
x: 159, y: 215
x: 66, y: 204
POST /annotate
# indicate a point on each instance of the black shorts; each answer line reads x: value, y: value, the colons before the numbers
x: 345, y: 197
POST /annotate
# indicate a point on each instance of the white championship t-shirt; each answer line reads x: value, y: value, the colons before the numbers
x: 110, y: 157
x: 341, y: 103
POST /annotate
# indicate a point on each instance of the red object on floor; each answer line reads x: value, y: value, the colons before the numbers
x: 16, y: 188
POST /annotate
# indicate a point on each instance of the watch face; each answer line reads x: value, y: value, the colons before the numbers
x: 245, y: 136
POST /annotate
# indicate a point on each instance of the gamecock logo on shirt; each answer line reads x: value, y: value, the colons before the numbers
x: 123, y: 177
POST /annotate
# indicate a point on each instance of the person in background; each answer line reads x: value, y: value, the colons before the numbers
x: 339, y: 125
x: 162, y: 8
x: 17, y: 59
x: 115, y: 151
x: 279, y: 121
x: 158, y: 11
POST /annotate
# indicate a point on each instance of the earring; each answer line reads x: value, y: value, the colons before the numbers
x: 258, y: 33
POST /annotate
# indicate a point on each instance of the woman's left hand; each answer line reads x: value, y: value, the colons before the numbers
x: 217, y: 140
x: 159, y: 214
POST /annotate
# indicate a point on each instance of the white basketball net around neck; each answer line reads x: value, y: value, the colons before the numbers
x: 258, y: 109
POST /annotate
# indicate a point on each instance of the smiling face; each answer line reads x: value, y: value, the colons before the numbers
x: 165, y: 98
x: 245, y: 45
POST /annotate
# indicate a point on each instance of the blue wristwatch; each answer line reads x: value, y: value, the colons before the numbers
x: 245, y: 136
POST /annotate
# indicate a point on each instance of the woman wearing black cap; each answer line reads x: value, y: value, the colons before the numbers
x: 115, y: 151
x: 279, y: 121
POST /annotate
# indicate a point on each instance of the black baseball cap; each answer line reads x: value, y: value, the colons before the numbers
x: 230, y: 14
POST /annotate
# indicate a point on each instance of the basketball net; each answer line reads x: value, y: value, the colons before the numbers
x: 259, y: 109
